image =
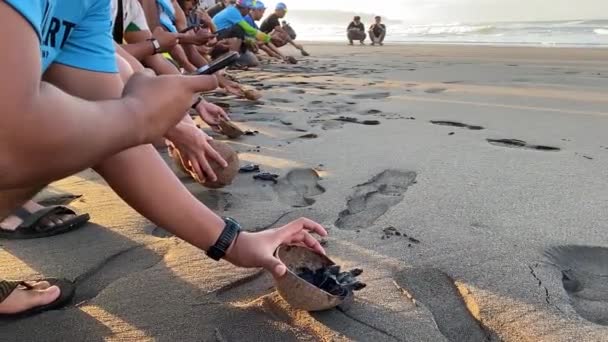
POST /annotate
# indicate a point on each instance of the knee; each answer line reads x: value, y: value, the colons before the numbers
x: 124, y: 69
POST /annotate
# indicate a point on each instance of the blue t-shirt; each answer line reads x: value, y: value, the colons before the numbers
x: 251, y: 22
x: 76, y: 33
x: 227, y: 18
x: 166, y: 15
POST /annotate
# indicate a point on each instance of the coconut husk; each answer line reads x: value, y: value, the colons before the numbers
x: 224, y: 175
x: 230, y: 129
x: 296, y: 291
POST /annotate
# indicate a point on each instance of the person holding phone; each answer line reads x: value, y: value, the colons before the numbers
x: 67, y: 109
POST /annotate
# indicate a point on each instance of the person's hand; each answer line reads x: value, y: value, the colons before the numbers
x: 211, y: 114
x: 159, y: 102
x: 257, y: 249
x: 298, y: 46
x: 196, y: 37
x: 204, y: 17
x: 195, y: 151
x: 166, y: 40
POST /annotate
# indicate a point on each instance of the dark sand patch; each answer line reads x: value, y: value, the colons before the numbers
x: 456, y: 124
x: 357, y: 121
x: 435, y: 90
x: 372, y: 199
x: 372, y: 96
x: 515, y: 143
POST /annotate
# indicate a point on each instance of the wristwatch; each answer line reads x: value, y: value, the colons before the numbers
x: 227, y: 237
x: 155, y: 44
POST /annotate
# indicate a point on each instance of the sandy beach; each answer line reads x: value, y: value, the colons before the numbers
x: 490, y: 163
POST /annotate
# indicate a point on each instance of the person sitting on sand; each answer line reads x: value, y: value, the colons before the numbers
x: 272, y: 26
x: 85, y: 116
x: 231, y: 24
x: 256, y: 14
x: 377, y: 32
x: 142, y: 46
x: 356, y: 31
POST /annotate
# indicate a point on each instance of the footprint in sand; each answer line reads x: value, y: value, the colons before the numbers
x: 374, y: 198
x: 585, y: 279
x: 298, y: 91
x: 435, y: 90
x: 437, y: 291
x: 247, y: 288
x: 514, y: 143
x: 456, y: 124
x: 117, y: 266
x: 372, y: 96
x: 277, y: 100
x: 298, y: 186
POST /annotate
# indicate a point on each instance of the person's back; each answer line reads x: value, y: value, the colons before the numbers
x: 269, y: 24
x: 227, y: 18
x: 64, y: 31
x: 217, y: 8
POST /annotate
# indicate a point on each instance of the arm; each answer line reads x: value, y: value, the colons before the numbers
x: 139, y: 50
x: 151, y: 12
x: 252, y: 31
x: 85, y: 132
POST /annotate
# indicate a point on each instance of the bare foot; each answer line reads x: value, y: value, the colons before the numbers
x: 12, y: 222
x: 22, y: 299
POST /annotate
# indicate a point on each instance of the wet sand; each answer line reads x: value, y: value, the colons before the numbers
x: 489, y: 162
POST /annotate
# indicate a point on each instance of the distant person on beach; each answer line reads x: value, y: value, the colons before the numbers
x: 231, y: 24
x: 377, y: 32
x: 356, y: 31
x: 255, y: 15
x: 272, y: 26
x: 67, y: 109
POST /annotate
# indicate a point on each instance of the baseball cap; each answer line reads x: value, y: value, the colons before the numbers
x: 281, y: 6
x: 258, y: 5
x: 245, y: 3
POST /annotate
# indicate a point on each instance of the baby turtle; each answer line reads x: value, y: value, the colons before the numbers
x: 266, y: 176
x: 250, y: 168
x: 331, y: 280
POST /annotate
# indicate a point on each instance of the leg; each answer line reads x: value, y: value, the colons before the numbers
x: 16, y: 298
x: 141, y: 177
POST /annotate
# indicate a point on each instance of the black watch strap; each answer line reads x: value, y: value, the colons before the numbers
x: 227, y: 237
x: 155, y: 44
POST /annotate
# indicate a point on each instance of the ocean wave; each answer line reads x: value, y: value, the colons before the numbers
x: 434, y: 30
x: 601, y: 31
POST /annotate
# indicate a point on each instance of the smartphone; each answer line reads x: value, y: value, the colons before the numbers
x: 218, y: 64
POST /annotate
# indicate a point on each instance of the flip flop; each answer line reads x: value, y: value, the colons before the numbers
x: 66, y: 287
x: 31, y: 228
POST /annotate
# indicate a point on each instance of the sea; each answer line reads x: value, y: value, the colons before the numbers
x: 331, y: 27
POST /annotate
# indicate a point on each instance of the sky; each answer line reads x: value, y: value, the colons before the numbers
x: 450, y: 11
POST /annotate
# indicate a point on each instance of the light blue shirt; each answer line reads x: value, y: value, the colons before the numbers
x: 76, y: 33
x: 227, y: 18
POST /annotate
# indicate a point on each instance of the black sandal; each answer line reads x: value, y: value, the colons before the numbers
x: 67, y: 293
x: 31, y: 228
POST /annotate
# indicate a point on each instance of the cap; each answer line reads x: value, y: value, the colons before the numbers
x: 281, y: 6
x: 245, y: 3
x: 258, y: 5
